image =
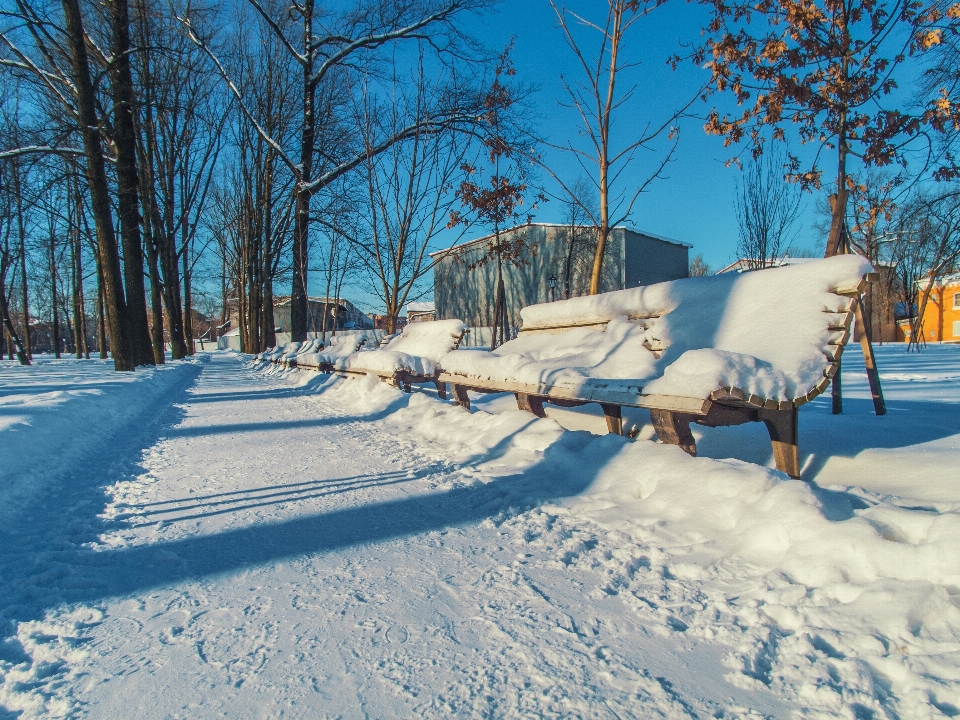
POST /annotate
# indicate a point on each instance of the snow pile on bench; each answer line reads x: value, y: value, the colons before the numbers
x: 295, y: 353
x: 340, y: 347
x: 418, y: 350
x: 765, y: 332
x: 275, y: 353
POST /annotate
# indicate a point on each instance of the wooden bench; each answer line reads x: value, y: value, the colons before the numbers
x: 779, y: 332
x: 294, y: 351
x: 412, y: 356
x: 339, y: 346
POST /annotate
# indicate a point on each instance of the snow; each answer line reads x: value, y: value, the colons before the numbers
x: 340, y: 346
x: 763, y: 332
x: 417, y: 350
x: 212, y: 539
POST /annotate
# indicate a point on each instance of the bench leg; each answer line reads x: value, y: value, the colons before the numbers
x: 441, y: 389
x: 530, y: 403
x: 460, y: 396
x: 674, y: 429
x: 614, y: 417
x: 782, y: 426
x: 407, y: 388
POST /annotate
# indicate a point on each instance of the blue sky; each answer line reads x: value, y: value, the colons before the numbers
x: 695, y: 202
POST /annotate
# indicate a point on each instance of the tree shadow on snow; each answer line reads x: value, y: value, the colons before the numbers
x: 52, y: 555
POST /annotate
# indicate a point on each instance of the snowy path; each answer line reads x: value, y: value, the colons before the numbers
x: 266, y: 555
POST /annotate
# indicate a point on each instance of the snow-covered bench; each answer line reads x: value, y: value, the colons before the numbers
x: 721, y: 350
x: 339, y: 347
x: 273, y: 355
x: 294, y: 351
x: 413, y: 356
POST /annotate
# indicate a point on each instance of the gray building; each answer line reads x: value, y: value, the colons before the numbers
x: 465, y: 289
x: 348, y: 316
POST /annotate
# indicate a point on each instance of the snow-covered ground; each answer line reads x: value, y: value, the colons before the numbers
x: 208, y: 539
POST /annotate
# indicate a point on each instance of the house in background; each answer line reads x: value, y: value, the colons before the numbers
x: 421, y: 312
x: 341, y: 315
x: 556, y: 263
x: 941, y: 317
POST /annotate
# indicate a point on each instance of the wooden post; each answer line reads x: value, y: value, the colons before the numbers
x: 836, y: 392
x: 782, y: 427
x: 460, y: 396
x: 530, y: 403
x: 873, y: 375
x: 674, y: 429
x: 614, y: 418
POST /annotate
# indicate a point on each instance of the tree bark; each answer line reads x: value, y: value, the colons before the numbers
x: 22, y: 238
x: 116, y: 307
x: 299, y: 309
x: 55, y: 326
x: 128, y: 195
x: 11, y: 333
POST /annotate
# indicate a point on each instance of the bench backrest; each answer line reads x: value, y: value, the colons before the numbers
x: 431, y: 340
x: 794, y: 320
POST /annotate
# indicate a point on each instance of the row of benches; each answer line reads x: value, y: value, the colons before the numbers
x: 716, y: 351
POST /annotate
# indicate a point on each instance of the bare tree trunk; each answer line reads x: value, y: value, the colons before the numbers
x: 101, y: 319
x: 22, y: 238
x: 76, y: 283
x: 13, y: 340
x: 187, y: 299
x: 156, y: 304
x: 99, y: 190
x: 55, y: 329
x: 128, y: 201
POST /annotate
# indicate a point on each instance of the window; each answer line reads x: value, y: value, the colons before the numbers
x: 956, y: 302
x: 956, y: 325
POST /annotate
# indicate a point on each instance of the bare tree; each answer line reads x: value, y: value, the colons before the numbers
x: 579, y: 238
x: 325, y: 46
x: 9, y: 257
x: 929, y: 241
x: 767, y: 209
x: 409, y: 194
x: 699, y: 266
x: 598, y: 100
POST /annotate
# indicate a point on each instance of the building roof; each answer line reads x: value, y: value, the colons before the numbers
x: 475, y: 241
x: 945, y: 281
x: 421, y: 307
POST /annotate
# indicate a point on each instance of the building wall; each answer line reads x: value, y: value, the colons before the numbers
x: 468, y: 293
x: 649, y: 260
x: 941, y: 319
x: 350, y: 314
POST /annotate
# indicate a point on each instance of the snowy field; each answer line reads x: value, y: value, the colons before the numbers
x: 209, y: 539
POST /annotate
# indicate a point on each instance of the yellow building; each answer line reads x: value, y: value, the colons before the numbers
x: 941, y: 319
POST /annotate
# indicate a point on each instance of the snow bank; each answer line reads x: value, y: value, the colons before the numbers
x: 417, y: 349
x: 844, y: 602
x: 764, y: 332
x: 92, y: 403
